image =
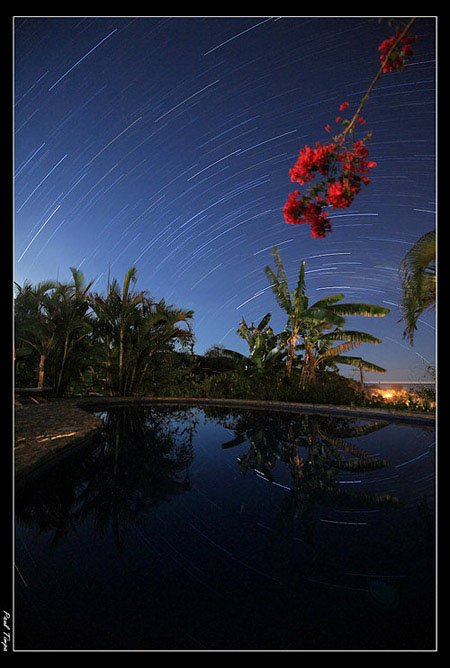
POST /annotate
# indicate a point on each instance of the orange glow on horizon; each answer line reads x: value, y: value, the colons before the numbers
x: 401, y: 395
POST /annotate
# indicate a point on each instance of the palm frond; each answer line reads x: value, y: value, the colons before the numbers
x: 352, y: 430
x: 279, y: 289
x: 418, y: 280
x: 366, y: 310
x: 338, y: 350
x: 349, y: 335
x: 279, y: 264
x: 264, y: 322
x: 300, y: 298
x: 361, y: 465
x: 359, y: 363
x: 78, y: 279
x: 421, y: 256
x: 327, y: 301
x: 279, y: 282
x: 325, y: 316
x: 130, y: 276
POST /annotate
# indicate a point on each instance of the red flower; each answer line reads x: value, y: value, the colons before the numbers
x: 312, y: 160
x: 328, y: 127
x: 360, y: 149
x: 400, y: 55
x: 301, y: 210
x: 344, y: 168
x: 343, y: 106
x: 318, y: 220
x: 320, y: 227
x: 361, y: 120
x: 340, y: 194
x: 293, y: 208
x: 338, y: 119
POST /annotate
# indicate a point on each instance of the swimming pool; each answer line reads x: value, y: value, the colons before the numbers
x: 215, y: 528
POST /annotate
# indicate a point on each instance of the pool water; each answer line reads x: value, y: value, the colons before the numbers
x: 194, y: 529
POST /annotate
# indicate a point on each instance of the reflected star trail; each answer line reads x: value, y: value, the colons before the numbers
x: 166, y: 142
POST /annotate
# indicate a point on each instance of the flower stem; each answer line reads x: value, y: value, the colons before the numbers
x: 375, y: 80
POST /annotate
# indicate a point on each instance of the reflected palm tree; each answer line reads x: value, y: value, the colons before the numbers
x: 315, y: 450
x: 141, y: 458
x: 312, y: 446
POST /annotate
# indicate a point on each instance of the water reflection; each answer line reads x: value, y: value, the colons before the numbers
x: 140, y: 458
x: 143, y: 456
x: 315, y: 450
x: 262, y: 529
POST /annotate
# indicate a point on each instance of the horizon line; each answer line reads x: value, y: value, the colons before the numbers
x: 401, y: 382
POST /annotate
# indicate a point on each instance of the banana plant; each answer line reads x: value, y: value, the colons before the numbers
x: 304, y: 321
x: 264, y: 345
x: 327, y: 348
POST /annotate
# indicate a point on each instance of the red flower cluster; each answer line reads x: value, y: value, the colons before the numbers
x: 304, y: 210
x: 355, y: 168
x: 400, y: 55
x: 343, y: 164
x: 345, y: 169
x: 340, y: 194
x: 354, y: 161
x: 312, y: 160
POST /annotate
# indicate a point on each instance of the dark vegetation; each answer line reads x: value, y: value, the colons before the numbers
x: 73, y: 340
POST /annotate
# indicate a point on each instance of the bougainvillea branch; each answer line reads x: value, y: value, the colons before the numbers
x: 385, y: 62
x: 343, y: 163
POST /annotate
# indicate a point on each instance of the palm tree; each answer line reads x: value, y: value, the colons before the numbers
x: 314, y: 449
x: 52, y: 319
x: 418, y: 278
x: 304, y: 321
x: 158, y: 328
x: 273, y: 439
x: 133, y: 328
x: 68, y: 311
x: 33, y: 328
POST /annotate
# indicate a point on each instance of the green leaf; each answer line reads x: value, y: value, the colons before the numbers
x: 348, y: 335
x: 264, y: 322
x: 366, y: 310
x: 328, y: 301
x: 359, y: 363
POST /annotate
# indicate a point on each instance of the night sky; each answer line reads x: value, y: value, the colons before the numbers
x: 165, y: 143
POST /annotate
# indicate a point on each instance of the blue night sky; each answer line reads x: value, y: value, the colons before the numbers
x: 165, y: 143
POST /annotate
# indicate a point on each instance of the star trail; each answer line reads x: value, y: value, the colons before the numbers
x: 166, y: 142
